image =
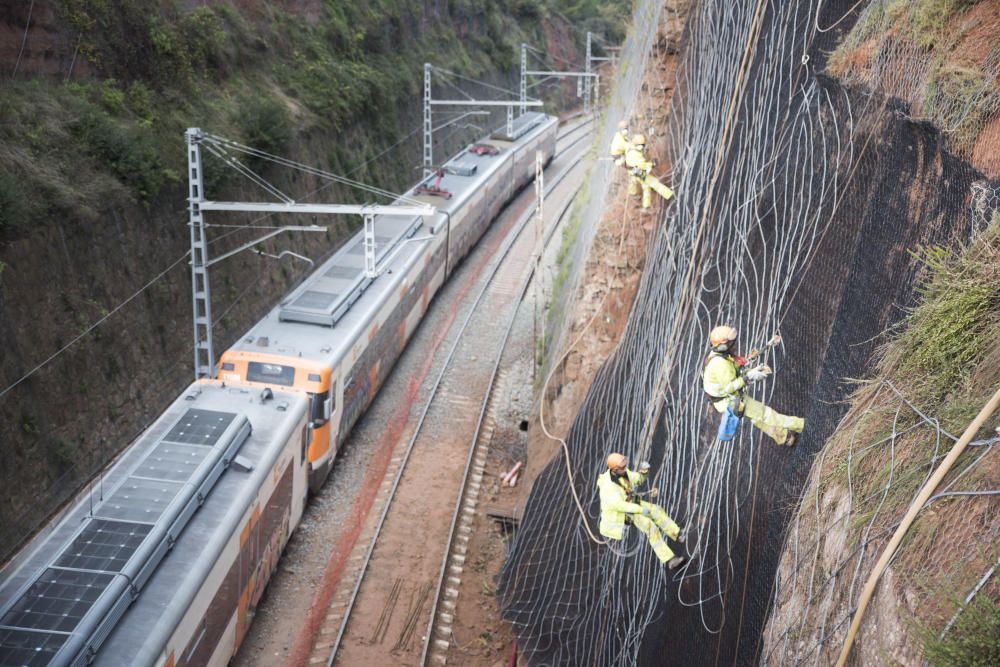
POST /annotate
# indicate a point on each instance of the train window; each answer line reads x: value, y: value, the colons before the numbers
x: 315, y: 377
x: 228, y: 366
x: 274, y: 373
x: 317, y: 410
x: 331, y: 401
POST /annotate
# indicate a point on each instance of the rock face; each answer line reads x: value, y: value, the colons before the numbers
x: 94, y: 281
x: 903, y: 186
x: 899, y: 428
x: 938, y: 74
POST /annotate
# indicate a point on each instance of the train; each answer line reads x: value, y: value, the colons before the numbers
x: 163, y: 559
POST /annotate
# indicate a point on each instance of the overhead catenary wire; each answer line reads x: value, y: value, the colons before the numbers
x: 233, y: 229
x: 507, y: 91
x: 93, y: 326
x: 210, y: 139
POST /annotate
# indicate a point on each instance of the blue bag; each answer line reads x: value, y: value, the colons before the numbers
x: 728, y: 424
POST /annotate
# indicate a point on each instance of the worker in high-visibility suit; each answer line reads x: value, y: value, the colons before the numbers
x: 725, y: 379
x: 620, y: 144
x: 639, y: 167
x: 621, y: 506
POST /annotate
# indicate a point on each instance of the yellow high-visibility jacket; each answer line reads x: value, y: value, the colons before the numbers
x: 619, y: 144
x: 635, y: 160
x: 721, y: 378
x: 614, y: 503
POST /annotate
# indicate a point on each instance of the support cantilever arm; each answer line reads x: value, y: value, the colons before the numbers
x: 486, y: 103
x: 306, y: 207
x: 310, y: 228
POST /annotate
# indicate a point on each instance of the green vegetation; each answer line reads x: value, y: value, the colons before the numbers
x: 929, y: 20
x: 915, y: 50
x: 960, y: 100
x: 937, y: 360
x: 952, y: 328
x: 944, y: 359
x: 972, y: 641
x: 288, y: 83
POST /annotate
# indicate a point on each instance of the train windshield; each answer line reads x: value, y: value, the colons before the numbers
x: 271, y: 373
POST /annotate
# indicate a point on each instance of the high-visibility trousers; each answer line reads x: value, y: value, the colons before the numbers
x: 771, y: 422
x: 654, y: 527
x: 651, y: 182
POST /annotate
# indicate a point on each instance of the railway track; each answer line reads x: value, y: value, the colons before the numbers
x: 387, y: 584
x: 439, y: 630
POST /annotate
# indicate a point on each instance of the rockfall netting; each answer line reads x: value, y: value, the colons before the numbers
x: 799, y: 199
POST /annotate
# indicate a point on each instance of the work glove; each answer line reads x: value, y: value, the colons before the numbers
x: 758, y: 373
x: 645, y: 512
x: 654, y: 493
x: 644, y: 467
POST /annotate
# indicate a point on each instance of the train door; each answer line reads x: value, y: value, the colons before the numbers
x: 336, y: 400
x: 324, y: 422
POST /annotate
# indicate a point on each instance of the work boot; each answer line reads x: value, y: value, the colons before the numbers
x: 676, y: 562
x: 791, y: 438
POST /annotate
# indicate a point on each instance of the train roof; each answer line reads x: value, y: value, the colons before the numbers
x: 73, y: 585
x: 338, y: 294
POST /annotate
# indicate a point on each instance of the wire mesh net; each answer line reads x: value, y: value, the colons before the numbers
x: 798, y: 202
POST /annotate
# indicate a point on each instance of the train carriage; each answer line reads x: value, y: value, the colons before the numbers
x: 337, y: 336
x: 163, y: 560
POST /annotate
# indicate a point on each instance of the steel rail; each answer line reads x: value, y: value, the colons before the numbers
x: 508, y: 244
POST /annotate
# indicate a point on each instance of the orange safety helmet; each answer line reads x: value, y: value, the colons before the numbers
x: 616, y: 460
x: 722, y: 337
x: 638, y: 140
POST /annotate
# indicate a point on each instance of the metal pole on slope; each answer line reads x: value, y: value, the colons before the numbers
x: 524, y: 78
x: 587, y: 82
x: 201, y: 298
x: 908, y: 519
x: 539, y: 235
x: 201, y: 301
x: 428, y: 126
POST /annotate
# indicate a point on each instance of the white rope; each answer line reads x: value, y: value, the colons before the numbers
x: 24, y: 41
